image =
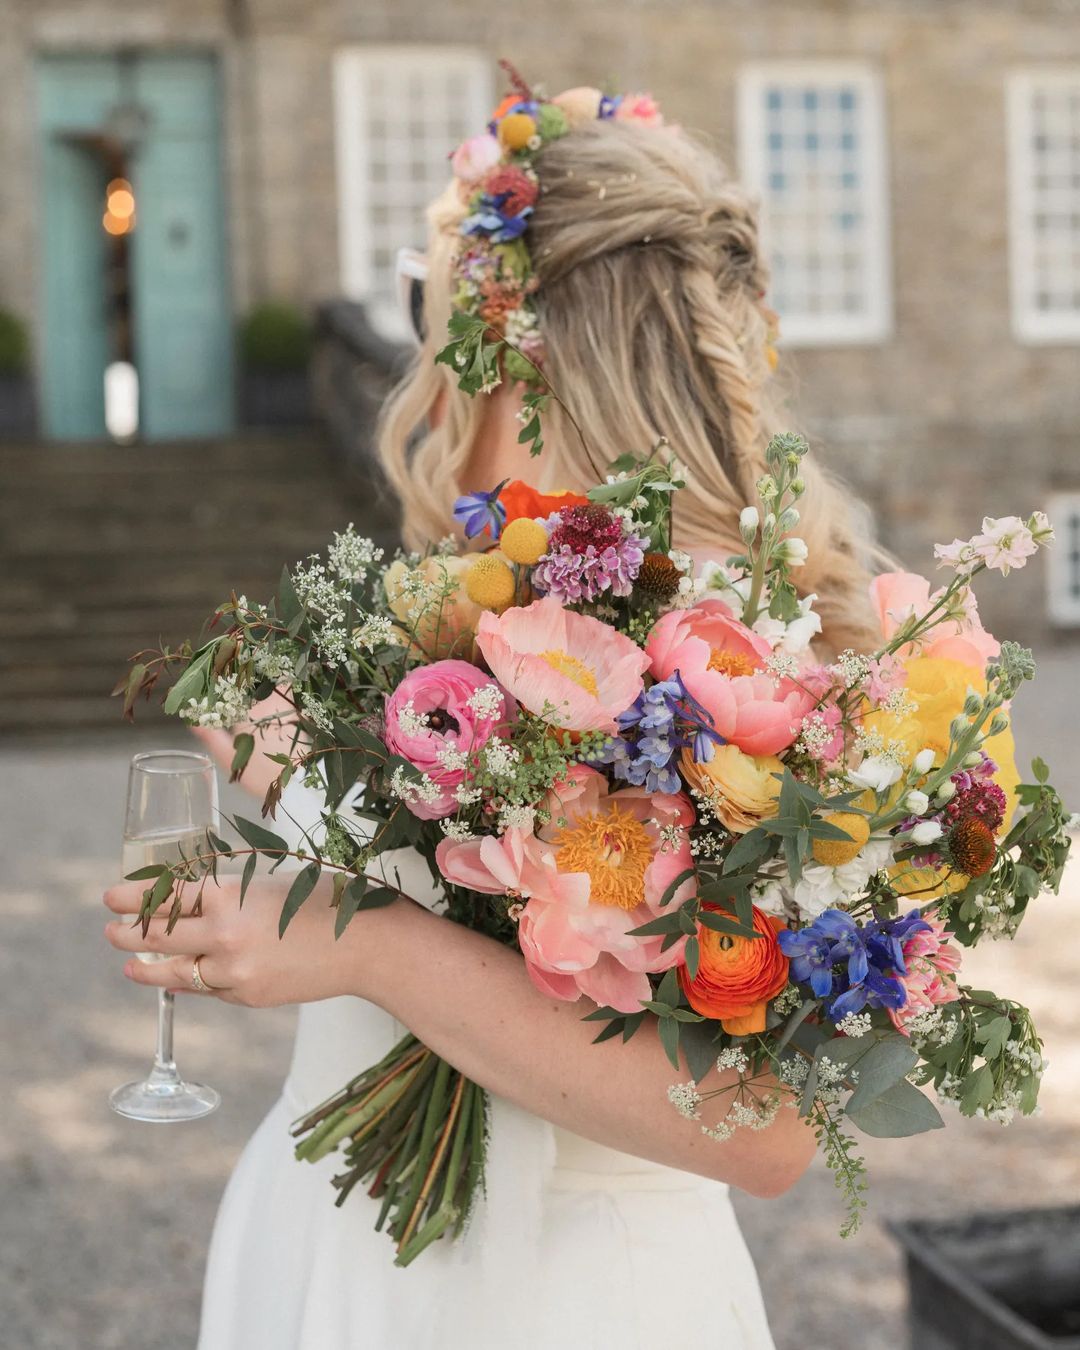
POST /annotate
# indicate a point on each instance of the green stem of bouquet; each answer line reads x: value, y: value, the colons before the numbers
x: 412, y: 1127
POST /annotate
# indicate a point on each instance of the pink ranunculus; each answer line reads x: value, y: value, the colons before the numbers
x: 599, y: 870
x: 932, y: 962
x: 899, y: 595
x: 722, y: 663
x: 639, y: 108
x: 475, y: 157
x: 576, y: 671
x: 435, y: 717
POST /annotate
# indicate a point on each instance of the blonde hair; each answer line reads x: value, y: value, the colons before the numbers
x: 650, y: 302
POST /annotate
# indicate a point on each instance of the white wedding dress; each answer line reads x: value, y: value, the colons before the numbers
x: 574, y: 1247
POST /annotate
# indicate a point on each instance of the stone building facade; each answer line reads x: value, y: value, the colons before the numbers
x: 944, y: 411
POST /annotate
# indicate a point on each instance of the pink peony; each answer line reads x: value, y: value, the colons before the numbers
x: 899, y: 595
x: 932, y: 964
x: 599, y: 870
x: 575, y: 671
x: 722, y: 663
x: 475, y: 157
x: 432, y: 719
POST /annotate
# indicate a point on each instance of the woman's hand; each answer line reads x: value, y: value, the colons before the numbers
x: 273, y: 737
x: 241, y: 957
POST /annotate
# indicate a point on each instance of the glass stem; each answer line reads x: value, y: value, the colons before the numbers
x: 164, y: 1069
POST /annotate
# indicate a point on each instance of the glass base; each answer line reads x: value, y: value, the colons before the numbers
x: 164, y: 1102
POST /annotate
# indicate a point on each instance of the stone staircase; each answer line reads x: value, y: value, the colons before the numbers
x: 107, y: 549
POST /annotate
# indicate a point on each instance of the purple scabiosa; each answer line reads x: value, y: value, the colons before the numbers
x: 589, y: 554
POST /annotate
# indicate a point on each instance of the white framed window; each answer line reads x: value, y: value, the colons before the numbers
x: 1063, y: 560
x: 1044, y: 203
x: 400, y: 111
x: 812, y: 145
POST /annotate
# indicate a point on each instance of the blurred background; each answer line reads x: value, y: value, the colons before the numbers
x: 202, y: 201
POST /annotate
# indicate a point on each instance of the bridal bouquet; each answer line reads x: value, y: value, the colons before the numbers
x: 639, y: 775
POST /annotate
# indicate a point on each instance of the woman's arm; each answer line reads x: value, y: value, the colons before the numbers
x: 471, y: 1001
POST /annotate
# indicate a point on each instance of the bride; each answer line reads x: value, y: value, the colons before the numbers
x: 607, y: 1221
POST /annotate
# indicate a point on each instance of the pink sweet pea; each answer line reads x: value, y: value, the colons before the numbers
x: 433, y: 717
x: 722, y: 664
x: 599, y: 871
x: 899, y: 595
x: 577, y: 672
x: 932, y: 963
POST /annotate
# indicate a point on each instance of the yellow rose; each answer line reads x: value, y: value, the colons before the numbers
x: 430, y: 603
x: 740, y: 787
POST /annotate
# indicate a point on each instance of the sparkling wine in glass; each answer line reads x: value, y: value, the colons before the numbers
x: 171, y: 801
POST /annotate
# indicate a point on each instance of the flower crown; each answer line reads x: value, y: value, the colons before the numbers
x: 496, y: 171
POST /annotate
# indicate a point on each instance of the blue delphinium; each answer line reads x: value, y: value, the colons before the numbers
x: 493, y: 220
x: 852, y: 966
x: 661, y: 722
x: 479, y: 511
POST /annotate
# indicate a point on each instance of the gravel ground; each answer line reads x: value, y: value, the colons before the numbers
x: 104, y: 1222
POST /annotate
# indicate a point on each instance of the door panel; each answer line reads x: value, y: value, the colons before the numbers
x: 183, y: 324
x: 74, y: 95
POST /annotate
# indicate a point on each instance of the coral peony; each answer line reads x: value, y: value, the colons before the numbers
x: 599, y: 870
x: 899, y: 595
x: 722, y: 664
x: 931, y: 964
x: 576, y: 671
x: 737, y: 976
x: 434, y: 719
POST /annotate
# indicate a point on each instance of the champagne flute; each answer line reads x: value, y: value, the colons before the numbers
x: 171, y: 800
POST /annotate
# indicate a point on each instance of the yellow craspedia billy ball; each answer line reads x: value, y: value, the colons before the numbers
x: 524, y: 541
x: 516, y: 130
x: 490, y: 583
x: 837, y: 852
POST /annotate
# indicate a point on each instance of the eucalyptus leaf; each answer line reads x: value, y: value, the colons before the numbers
x: 302, y: 886
x: 896, y: 1113
x: 261, y: 838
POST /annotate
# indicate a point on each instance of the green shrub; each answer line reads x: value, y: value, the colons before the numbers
x: 14, y: 344
x: 275, y: 336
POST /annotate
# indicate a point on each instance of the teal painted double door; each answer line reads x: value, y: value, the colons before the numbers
x: 164, y: 113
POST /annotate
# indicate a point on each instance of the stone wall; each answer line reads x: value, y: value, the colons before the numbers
x: 949, y: 417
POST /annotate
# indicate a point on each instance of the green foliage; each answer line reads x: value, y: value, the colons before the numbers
x: 14, y: 344
x: 275, y: 336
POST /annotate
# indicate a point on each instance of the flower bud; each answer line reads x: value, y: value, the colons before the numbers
x: 926, y: 832
x: 924, y: 761
x: 946, y: 792
x: 748, y: 524
x: 973, y: 760
x: 972, y: 704
x: 958, y: 727
x: 798, y: 486
x: 788, y: 520
x: 918, y: 803
x: 792, y: 551
x: 998, y: 725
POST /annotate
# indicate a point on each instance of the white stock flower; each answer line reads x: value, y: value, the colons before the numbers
x: 876, y: 772
x: 918, y: 803
x: 926, y: 832
x: 793, y: 551
x: 1004, y: 543
x: 821, y: 887
x: 924, y: 761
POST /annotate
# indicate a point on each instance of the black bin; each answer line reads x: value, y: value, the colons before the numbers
x: 1004, y: 1281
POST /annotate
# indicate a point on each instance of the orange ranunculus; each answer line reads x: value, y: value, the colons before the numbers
x: 737, y: 975
x: 519, y: 499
